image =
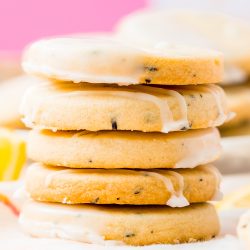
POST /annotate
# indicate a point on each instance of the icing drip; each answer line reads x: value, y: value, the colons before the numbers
x: 205, y: 145
x: 218, y: 95
x: 68, y: 229
x: 211, y: 169
x: 173, y: 125
x: 149, y: 94
x: 177, y: 199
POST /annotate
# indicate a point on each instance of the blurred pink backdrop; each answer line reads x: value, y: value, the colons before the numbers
x: 22, y: 21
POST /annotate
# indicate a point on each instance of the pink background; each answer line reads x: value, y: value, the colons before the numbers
x: 22, y: 21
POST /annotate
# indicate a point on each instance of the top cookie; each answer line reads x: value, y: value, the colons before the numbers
x: 196, y: 28
x: 106, y: 60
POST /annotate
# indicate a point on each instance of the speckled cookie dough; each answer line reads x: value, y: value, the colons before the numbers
x: 100, y: 60
x: 69, y: 106
x: 124, y: 149
x: 131, y: 225
x: 175, y: 188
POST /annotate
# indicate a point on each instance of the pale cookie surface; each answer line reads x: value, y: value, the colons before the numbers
x: 175, y: 188
x: 105, y: 60
x: 197, y: 28
x: 124, y: 149
x: 69, y: 106
x: 117, y: 225
x: 238, y: 102
x: 11, y: 93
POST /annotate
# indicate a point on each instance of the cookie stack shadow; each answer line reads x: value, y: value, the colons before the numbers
x: 121, y: 164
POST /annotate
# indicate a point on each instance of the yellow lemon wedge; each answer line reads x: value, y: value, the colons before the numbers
x: 237, y: 199
x: 12, y: 155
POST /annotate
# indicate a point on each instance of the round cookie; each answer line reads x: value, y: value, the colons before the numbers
x: 238, y: 101
x: 175, y: 188
x: 69, y: 106
x: 11, y: 93
x: 112, y: 225
x: 196, y: 28
x: 107, y: 60
x: 106, y: 149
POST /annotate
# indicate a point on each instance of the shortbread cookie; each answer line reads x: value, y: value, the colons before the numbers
x: 118, y: 225
x: 241, y: 130
x: 11, y: 93
x: 69, y: 106
x: 197, y: 28
x: 238, y: 102
x: 100, y: 60
x: 243, y: 230
x: 124, y: 149
x: 175, y: 188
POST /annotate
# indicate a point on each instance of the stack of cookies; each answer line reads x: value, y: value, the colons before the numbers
x: 122, y: 149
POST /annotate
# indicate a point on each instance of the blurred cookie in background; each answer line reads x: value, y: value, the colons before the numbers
x: 213, y: 30
x: 198, y: 28
x: 9, y: 66
x: 238, y: 101
x: 11, y: 92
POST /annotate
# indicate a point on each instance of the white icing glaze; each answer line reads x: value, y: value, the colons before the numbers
x: 211, y: 169
x: 149, y: 94
x: 204, y: 144
x: 68, y: 229
x: 177, y: 199
x: 218, y: 95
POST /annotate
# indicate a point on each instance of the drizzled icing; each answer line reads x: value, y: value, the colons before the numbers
x: 149, y: 94
x: 206, y: 147
x: 218, y: 94
x: 213, y: 170
x: 177, y: 199
x: 72, y: 228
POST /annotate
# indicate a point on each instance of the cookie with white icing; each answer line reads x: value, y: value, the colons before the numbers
x: 113, y: 225
x: 124, y: 149
x: 69, y: 106
x: 11, y: 93
x: 175, y: 188
x: 196, y: 28
x: 106, y: 60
